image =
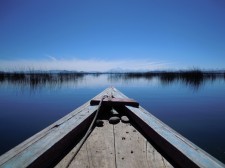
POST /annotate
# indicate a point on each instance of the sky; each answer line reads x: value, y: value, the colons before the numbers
x: 108, y: 35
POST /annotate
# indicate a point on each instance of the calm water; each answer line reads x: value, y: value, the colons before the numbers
x: 194, y: 109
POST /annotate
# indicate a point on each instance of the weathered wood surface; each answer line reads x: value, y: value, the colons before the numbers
x: 116, y: 146
x: 179, y: 149
x: 97, y: 151
x: 42, y: 149
x: 134, y: 151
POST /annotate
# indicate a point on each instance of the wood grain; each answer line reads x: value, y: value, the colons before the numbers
x: 134, y: 151
x: 116, y: 146
x: 97, y: 151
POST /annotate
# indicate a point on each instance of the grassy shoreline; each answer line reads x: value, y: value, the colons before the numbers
x: 67, y: 75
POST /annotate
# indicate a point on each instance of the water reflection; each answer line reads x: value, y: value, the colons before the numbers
x: 38, y: 80
x: 194, y: 79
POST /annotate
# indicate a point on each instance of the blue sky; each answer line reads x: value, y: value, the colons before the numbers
x: 109, y: 34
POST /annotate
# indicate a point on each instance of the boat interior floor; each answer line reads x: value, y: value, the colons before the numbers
x: 118, y: 145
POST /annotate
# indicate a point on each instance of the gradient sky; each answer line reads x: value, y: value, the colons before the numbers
x: 112, y: 34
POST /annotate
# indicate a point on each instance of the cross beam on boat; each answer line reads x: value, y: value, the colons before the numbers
x: 115, y: 102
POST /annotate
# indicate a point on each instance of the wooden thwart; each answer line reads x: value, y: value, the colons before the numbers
x: 115, y: 102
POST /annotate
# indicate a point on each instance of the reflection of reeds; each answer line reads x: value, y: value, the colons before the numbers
x: 2, y: 76
x: 167, y: 77
x: 38, y: 79
x: 148, y: 75
x: 130, y: 75
x: 65, y: 77
x: 16, y: 77
x: 193, y: 78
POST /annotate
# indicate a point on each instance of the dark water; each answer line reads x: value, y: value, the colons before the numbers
x: 193, y: 107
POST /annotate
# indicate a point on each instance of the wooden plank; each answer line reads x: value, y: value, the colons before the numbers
x: 100, y: 147
x: 97, y: 151
x: 134, y: 151
x: 130, y: 147
x: 43, y: 148
x: 183, y: 152
x: 155, y: 159
x: 65, y: 162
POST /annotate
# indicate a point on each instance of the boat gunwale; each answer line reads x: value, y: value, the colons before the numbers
x: 174, y: 145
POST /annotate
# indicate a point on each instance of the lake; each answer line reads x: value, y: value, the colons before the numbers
x: 193, y: 107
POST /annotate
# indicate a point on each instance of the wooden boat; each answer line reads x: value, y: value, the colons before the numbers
x: 143, y: 142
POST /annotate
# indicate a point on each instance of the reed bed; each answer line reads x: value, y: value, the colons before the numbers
x: 193, y: 78
x: 2, y: 76
x: 38, y: 79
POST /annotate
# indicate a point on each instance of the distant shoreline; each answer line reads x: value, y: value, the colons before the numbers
x: 115, y: 72
x: 35, y: 79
